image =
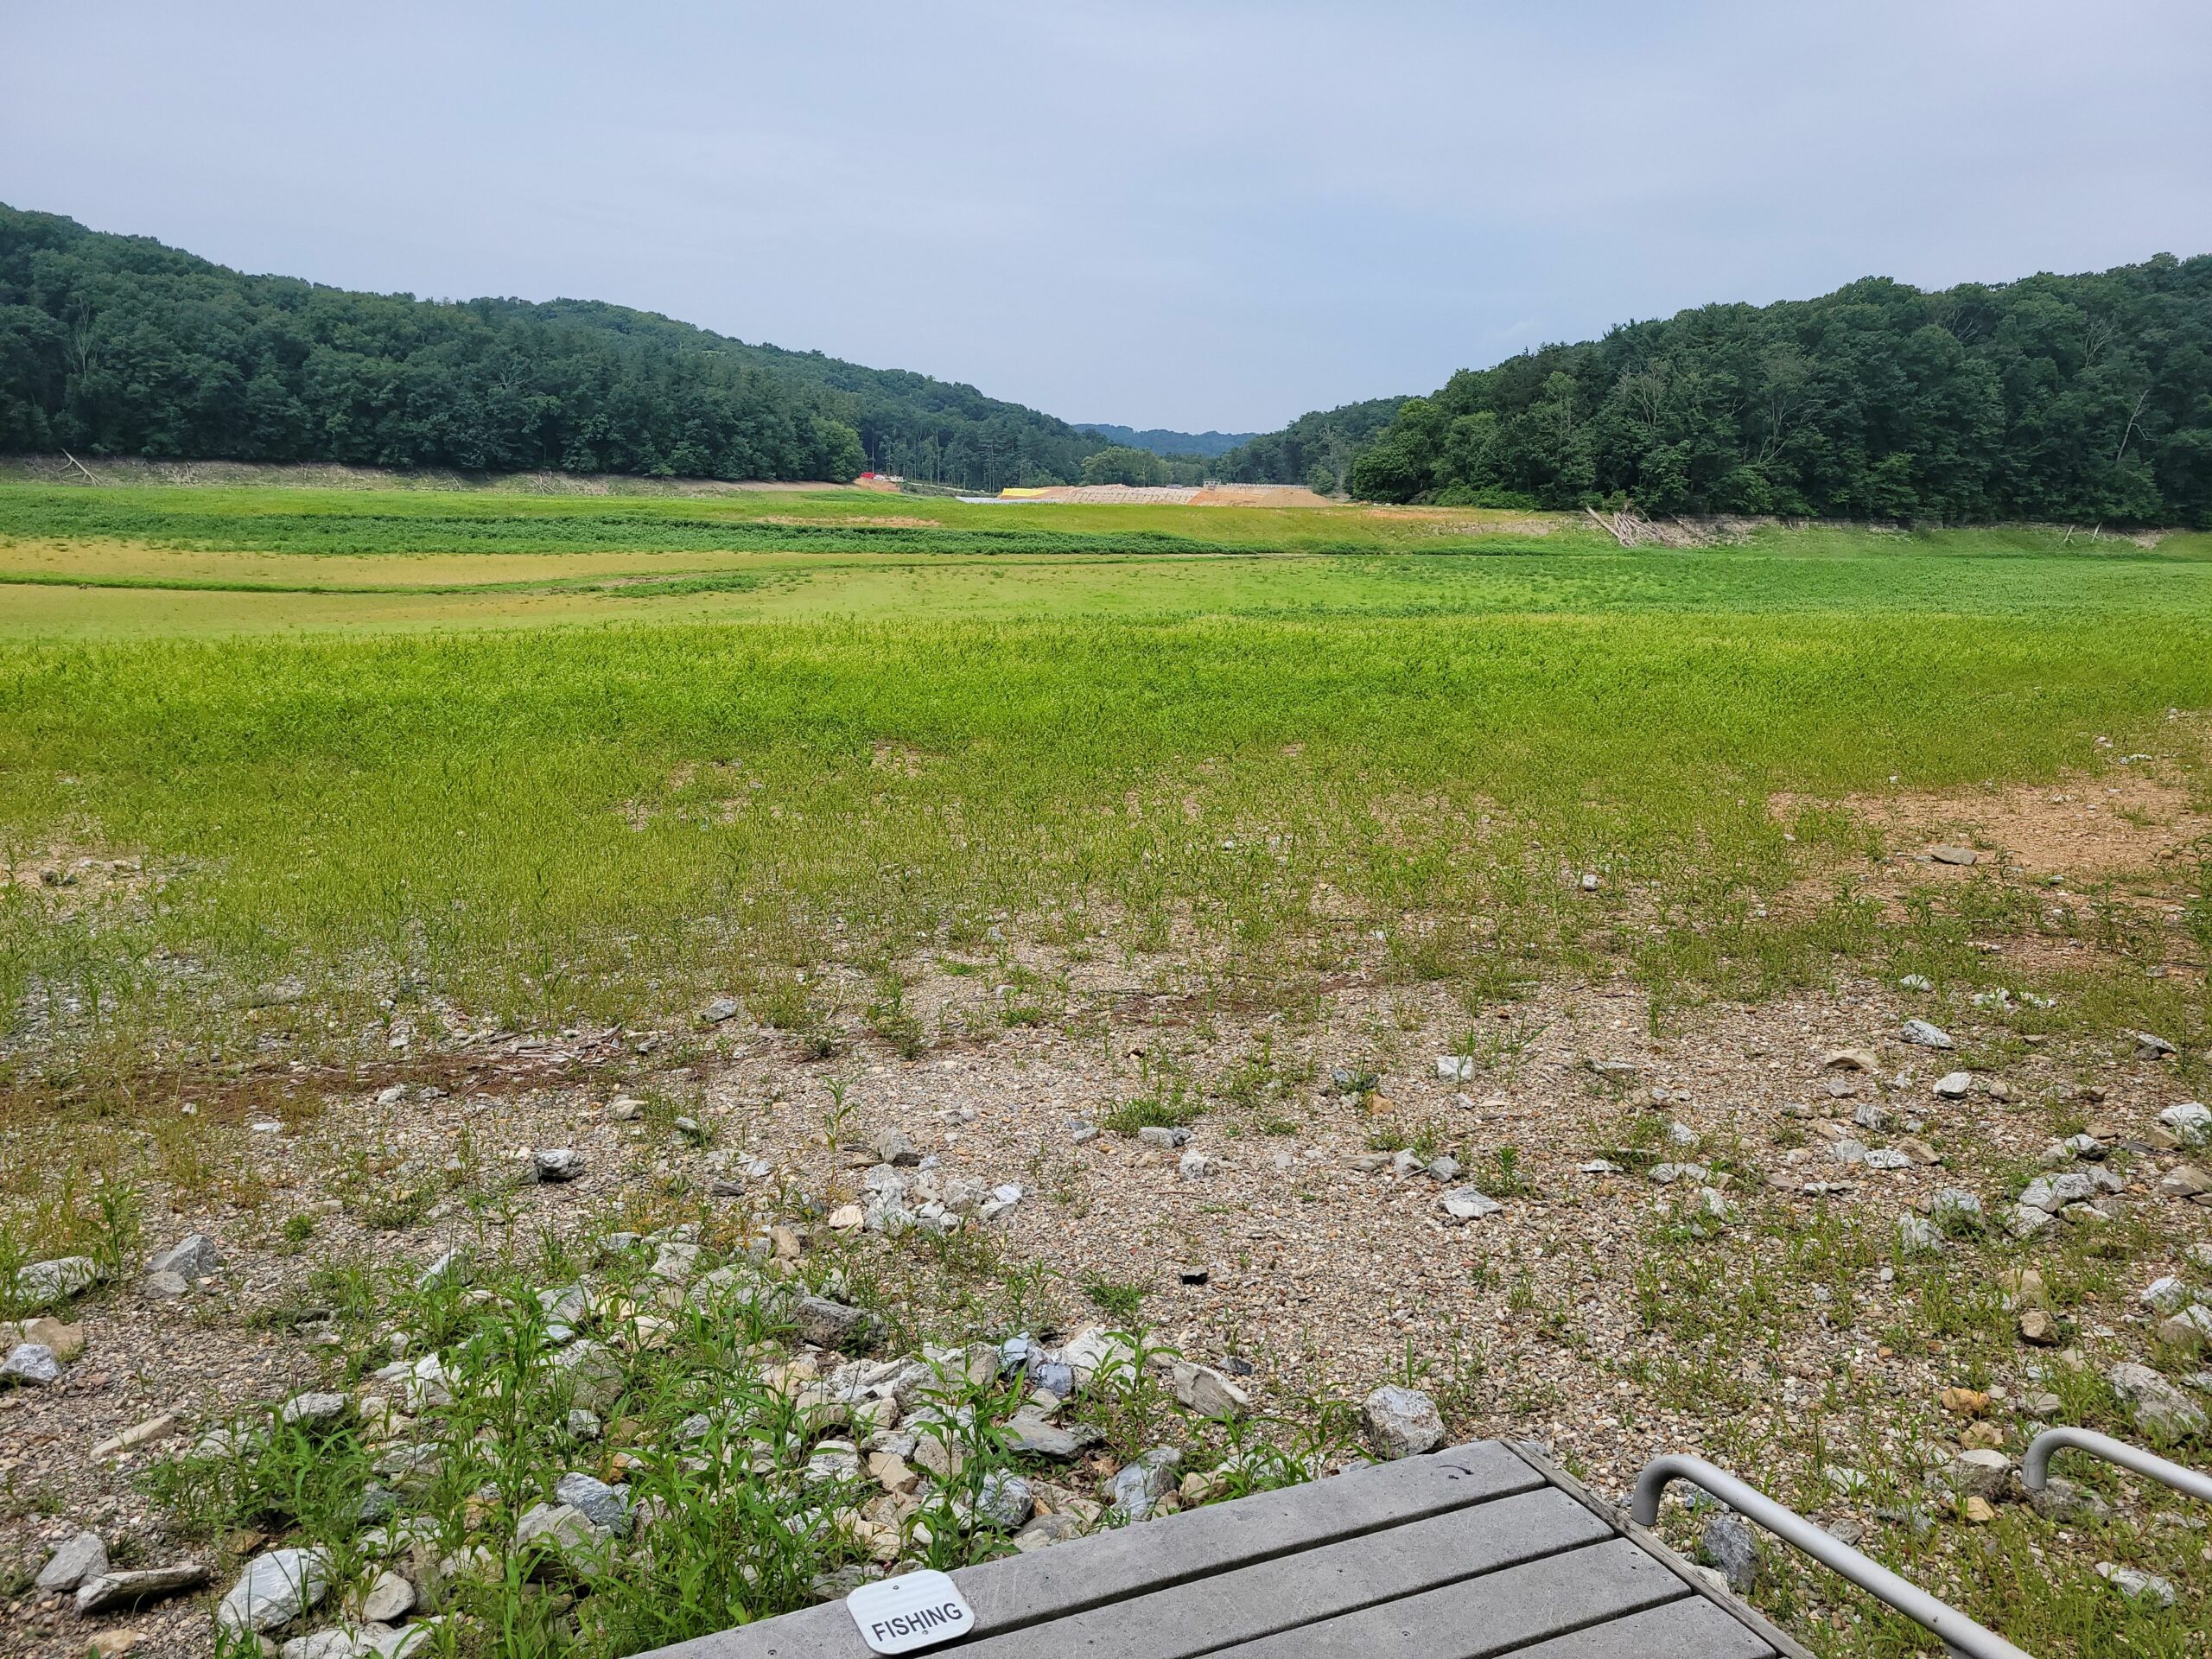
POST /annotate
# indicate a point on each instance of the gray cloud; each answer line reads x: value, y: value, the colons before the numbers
x: 1209, y: 214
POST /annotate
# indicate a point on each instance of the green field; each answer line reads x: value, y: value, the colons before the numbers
x: 556, y: 758
x: 283, y: 771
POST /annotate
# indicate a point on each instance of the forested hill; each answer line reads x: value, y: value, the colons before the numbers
x: 1316, y: 448
x: 1162, y: 441
x: 2069, y: 398
x: 116, y: 345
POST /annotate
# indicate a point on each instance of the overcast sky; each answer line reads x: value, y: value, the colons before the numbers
x: 1208, y: 215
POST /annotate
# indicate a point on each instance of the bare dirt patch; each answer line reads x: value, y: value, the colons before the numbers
x: 2131, y: 823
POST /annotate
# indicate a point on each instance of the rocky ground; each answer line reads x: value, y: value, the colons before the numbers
x: 1856, y: 1244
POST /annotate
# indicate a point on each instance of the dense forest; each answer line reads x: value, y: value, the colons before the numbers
x: 1179, y: 446
x: 1124, y: 463
x: 114, y: 345
x: 1317, y: 449
x: 2074, y: 399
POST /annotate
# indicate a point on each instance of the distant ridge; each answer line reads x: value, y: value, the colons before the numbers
x: 1161, y: 441
x: 119, y: 346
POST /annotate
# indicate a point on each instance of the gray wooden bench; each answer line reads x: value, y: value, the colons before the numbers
x: 1482, y: 1549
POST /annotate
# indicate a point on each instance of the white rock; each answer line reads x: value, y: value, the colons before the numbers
x: 56, y: 1281
x: 194, y: 1257
x: 2167, y: 1295
x: 390, y: 1599
x: 81, y: 1557
x: 2190, y: 1123
x: 1922, y: 1035
x: 274, y: 1590
x: 1465, y: 1204
x: 1918, y: 1238
x: 564, y: 1533
x: 1400, y: 1422
x: 1207, y: 1392
x: 2137, y: 1585
x: 1455, y: 1068
x: 2160, y: 1405
x: 607, y: 1508
x: 30, y: 1364
x: 1954, y: 1085
x: 315, y: 1408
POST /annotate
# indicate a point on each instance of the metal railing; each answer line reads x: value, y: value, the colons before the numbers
x: 2035, y: 1467
x: 1959, y: 1634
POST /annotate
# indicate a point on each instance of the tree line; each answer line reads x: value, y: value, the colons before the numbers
x: 115, y: 345
x: 2073, y: 399
x: 1316, y: 449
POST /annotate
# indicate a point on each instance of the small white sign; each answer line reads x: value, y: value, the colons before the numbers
x: 910, y: 1612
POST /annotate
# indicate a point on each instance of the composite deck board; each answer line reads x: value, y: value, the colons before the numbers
x: 1207, y: 1615
x: 1069, y: 1579
x: 1483, y: 1550
x: 1496, y: 1613
x: 1691, y: 1628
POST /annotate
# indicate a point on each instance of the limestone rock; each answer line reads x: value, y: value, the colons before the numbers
x: 1029, y: 1434
x: 1979, y: 1473
x: 315, y: 1409
x: 2137, y: 1585
x: 30, y: 1364
x: 1728, y: 1544
x: 1462, y: 1204
x: 113, y: 1591
x: 66, y: 1341
x: 1206, y: 1391
x: 607, y: 1508
x: 1400, y: 1422
x: 1955, y: 1211
x: 390, y: 1599
x: 274, y: 1589
x: 592, y: 1373
x: 194, y: 1257
x: 559, y: 1536
x: 2190, y: 1123
x: 1923, y: 1034
x: 2160, y: 1406
x: 81, y: 1557
x: 43, y: 1282
x: 1919, y: 1237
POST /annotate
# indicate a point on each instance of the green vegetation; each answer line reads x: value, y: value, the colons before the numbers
x: 1123, y: 465
x: 115, y: 345
x: 1202, y: 446
x: 1316, y: 449
x: 2074, y: 399
x: 744, y: 1478
x: 548, y: 824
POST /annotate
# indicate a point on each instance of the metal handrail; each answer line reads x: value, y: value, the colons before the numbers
x: 2035, y: 1467
x: 1961, y: 1634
